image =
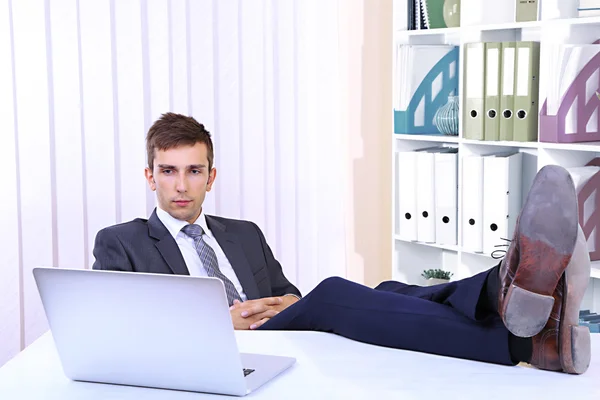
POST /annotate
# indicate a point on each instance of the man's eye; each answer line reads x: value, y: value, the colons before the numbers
x: 195, y: 171
x: 167, y: 171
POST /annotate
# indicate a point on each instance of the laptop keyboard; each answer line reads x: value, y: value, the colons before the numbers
x: 248, y: 371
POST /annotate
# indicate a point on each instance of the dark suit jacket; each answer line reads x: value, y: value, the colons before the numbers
x: 147, y: 246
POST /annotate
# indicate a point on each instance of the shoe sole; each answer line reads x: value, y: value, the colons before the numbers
x: 574, y: 340
x: 544, y: 250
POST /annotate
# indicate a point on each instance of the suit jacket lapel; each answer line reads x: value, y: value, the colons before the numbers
x: 166, y: 245
x: 234, y: 253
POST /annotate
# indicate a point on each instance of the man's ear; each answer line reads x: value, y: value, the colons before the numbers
x: 212, y: 175
x: 150, y: 178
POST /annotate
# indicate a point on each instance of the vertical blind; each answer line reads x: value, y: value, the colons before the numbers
x: 81, y: 81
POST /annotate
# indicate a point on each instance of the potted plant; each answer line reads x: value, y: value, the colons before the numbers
x: 436, y: 276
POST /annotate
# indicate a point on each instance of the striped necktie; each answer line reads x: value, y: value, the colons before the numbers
x: 209, y: 260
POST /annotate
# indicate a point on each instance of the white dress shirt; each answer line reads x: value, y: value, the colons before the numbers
x: 188, y: 249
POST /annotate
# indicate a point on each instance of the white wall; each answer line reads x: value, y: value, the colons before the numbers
x: 80, y: 83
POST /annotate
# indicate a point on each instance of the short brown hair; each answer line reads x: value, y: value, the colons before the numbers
x: 174, y: 130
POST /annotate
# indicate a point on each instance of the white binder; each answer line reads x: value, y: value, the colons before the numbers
x: 446, y: 187
x: 474, y: 94
x: 425, y: 196
x: 407, y: 195
x: 502, y: 199
x: 472, y: 204
x: 426, y: 212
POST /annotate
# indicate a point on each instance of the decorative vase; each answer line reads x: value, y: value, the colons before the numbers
x: 435, y: 281
x: 446, y: 117
x: 451, y: 12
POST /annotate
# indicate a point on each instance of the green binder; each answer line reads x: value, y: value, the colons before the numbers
x: 527, y: 76
x: 527, y: 10
x: 507, y: 87
x: 493, y: 66
x: 434, y: 13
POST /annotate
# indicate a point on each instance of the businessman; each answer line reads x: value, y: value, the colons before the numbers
x: 523, y: 310
x: 179, y: 238
x: 526, y: 309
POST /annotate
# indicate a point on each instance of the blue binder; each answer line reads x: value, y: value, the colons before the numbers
x: 404, y: 120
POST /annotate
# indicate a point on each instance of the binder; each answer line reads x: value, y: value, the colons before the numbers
x: 426, y: 209
x: 410, y: 20
x: 446, y: 203
x: 425, y: 196
x: 507, y: 90
x: 433, y: 12
x: 527, y: 10
x: 474, y: 91
x: 406, y: 179
x: 526, y: 92
x: 472, y: 203
x: 502, y: 199
x: 493, y: 55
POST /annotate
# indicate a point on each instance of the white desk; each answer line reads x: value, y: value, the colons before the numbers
x: 328, y: 367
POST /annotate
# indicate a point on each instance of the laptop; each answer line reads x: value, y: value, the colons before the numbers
x: 151, y: 330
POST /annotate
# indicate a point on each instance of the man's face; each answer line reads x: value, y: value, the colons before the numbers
x: 181, y: 179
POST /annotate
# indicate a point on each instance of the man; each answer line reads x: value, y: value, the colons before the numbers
x: 179, y: 238
x: 526, y: 309
x: 523, y: 310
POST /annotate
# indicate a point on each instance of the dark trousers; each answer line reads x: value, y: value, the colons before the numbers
x: 451, y: 319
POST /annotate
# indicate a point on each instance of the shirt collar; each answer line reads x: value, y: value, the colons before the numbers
x: 174, y: 225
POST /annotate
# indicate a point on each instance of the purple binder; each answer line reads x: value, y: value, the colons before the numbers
x: 552, y: 127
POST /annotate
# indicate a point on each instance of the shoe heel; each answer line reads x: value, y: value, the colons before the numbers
x: 575, y: 358
x: 526, y: 313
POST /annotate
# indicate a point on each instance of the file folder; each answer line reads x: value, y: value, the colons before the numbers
x: 502, y: 199
x: 507, y: 100
x: 407, y: 195
x: 526, y: 91
x: 446, y: 203
x: 493, y: 53
x: 472, y: 203
x: 474, y: 91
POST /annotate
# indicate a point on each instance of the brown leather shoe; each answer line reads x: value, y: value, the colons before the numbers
x: 563, y: 345
x: 541, y: 248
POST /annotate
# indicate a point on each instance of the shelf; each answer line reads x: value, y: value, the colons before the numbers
x: 429, y: 32
x: 435, y: 245
x: 489, y: 27
x: 595, y: 271
x: 410, y: 257
x: 575, y: 21
x: 502, y: 26
x: 500, y: 143
x: 582, y: 146
x: 506, y: 26
x: 486, y: 255
x: 428, y: 138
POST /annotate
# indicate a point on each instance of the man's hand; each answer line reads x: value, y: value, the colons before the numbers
x: 251, y: 314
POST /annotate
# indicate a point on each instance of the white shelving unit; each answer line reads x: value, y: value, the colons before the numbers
x: 411, y: 258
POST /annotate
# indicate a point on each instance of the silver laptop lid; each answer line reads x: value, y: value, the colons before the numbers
x: 154, y: 330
